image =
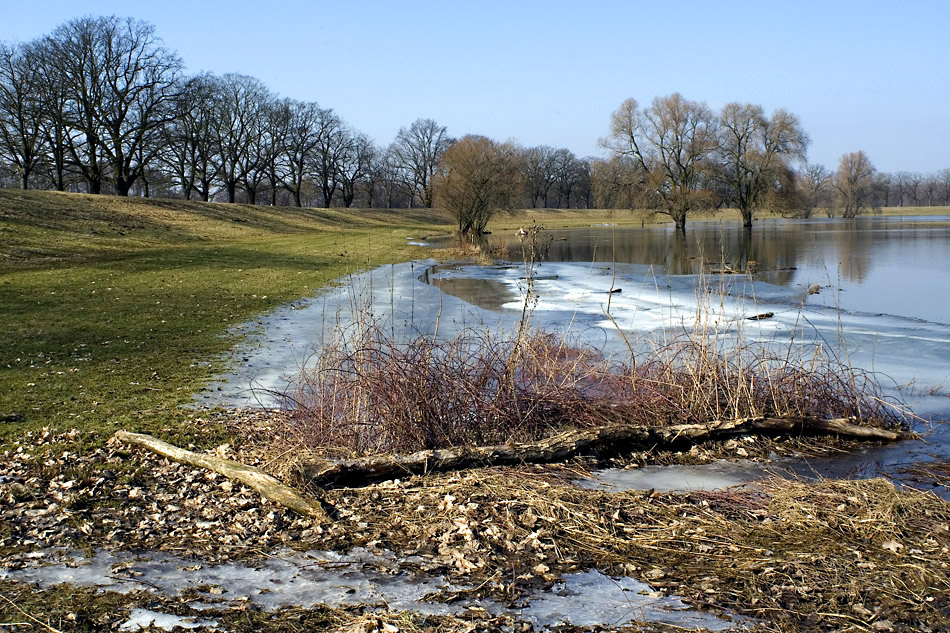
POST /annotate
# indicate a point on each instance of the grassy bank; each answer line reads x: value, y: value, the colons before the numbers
x: 568, y: 218
x: 117, y: 310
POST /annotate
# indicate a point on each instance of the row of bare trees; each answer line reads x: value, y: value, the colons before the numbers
x: 101, y: 105
x: 899, y: 189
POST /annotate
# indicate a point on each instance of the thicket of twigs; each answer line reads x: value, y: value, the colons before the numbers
x: 369, y: 393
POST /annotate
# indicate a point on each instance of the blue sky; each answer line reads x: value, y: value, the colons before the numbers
x: 860, y: 75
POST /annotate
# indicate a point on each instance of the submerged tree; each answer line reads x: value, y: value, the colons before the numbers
x: 854, y: 184
x: 755, y: 154
x: 672, y: 142
x: 477, y: 177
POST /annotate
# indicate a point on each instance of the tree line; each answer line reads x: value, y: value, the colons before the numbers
x: 101, y: 105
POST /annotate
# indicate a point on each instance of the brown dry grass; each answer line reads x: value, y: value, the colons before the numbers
x: 794, y: 556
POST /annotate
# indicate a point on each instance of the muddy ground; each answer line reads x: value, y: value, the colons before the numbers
x: 777, y: 555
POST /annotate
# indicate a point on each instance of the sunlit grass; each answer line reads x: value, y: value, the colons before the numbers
x: 116, y: 311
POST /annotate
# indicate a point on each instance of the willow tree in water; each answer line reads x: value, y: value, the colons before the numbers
x: 756, y: 153
x: 673, y: 142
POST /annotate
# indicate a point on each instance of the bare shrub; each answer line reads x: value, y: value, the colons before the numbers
x: 371, y: 394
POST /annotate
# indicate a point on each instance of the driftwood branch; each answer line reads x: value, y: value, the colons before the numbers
x: 269, y: 487
x: 599, y: 441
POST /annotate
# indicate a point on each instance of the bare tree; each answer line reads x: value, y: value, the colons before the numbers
x: 854, y: 184
x: 901, y: 183
x: 120, y: 83
x: 574, y: 183
x: 672, y: 142
x: 817, y: 183
x: 328, y: 153
x: 538, y: 173
x: 755, y: 152
x: 21, y: 134
x: 53, y: 105
x: 882, y: 187
x: 189, y: 151
x: 618, y: 183
x: 564, y: 166
x: 944, y: 176
x: 240, y: 103
x: 913, y: 187
x: 387, y: 180
x: 355, y: 163
x: 477, y: 177
x: 300, y: 144
x: 263, y: 148
x: 418, y: 150
x: 931, y: 187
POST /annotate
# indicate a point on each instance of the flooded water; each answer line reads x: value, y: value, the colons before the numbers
x: 882, y: 306
x: 893, y: 265
x: 895, y: 461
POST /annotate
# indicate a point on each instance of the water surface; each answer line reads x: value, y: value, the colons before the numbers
x: 893, y: 265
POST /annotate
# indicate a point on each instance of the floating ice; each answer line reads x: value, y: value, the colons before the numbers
x: 715, y: 476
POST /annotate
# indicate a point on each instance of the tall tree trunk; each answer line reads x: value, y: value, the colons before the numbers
x: 746, y: 216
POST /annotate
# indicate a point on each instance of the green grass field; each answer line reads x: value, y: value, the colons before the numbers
x: 115, y: 311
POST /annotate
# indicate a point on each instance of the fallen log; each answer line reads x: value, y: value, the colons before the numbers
x: 600, y: 441
x: 269, y: 487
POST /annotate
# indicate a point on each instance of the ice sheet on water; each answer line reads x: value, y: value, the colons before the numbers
x: 715, y: 476
x: 285, y: 341
x: 574, y: 299
x: 289, y: 578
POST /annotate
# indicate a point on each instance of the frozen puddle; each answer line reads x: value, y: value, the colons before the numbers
x: 144, y: 619
x: 715, y: 476
x: 593, y: 599
x: 288, y: 579
x: 358, y: 578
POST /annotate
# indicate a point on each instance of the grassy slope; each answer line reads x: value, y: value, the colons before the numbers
x: 115, y: 311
